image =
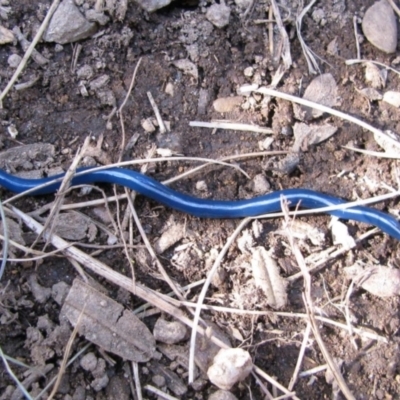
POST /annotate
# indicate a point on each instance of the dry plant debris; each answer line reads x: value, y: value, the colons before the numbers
x: 105, y: 322
x: 190, y: 69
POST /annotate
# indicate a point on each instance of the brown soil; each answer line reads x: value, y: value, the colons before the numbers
x: 53, y: 111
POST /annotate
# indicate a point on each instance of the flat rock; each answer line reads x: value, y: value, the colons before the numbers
x: 68, y: 25
x: 152, y: 5
x: 379, y: 26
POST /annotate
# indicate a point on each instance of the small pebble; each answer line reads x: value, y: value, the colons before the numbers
x: 229, y: 367
x: 14, y: 60
x: 218, y: 15
x: 89, y: 362
x: 169, y: 332
x: 380, y: 27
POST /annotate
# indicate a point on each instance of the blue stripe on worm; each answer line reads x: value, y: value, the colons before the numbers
x: 210, y: 208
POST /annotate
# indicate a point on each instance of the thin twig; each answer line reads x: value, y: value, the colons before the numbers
x: 336, y: 113
x: 203, y: 293
x: 355, y: 18
x: 231, y: 125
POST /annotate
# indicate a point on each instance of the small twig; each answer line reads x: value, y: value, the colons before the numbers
x: 28, y: 52
x: 394, y: 6
x: 309, y: 55
x: 231, y: 125
x: 360, y: 61
x: 302, y: 351
x: 203, y: 293
x: 286, y: 56
x: 6, y: 240
x: 355, y: 18
x: 310, y: 312
x: 157, y: 113
x: 380, y: 154
x: 136, y: 376
x: 160, y: 393
x: 67, y: 352
x: 336, y: 113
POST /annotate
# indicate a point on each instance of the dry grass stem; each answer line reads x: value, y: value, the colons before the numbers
x: 29, y: 51
x: 203, y: 293
x: 160, y: 393
x: 310, y: 311
x: 61, y: 192
x: 394, y: 6
x: 379, y: 154
x: 309, y: 55
x: 67, y: 352
x: 358, y: 61
x: 300, y: 358
x: 356, y: 37
x: 336, y: 113
x: 235, y: 126
x: 138, y: 386
x: 156, y: 111
x: 286, y: 56
x: 153, y: 254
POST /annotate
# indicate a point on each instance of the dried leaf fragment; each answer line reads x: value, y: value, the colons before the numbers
x: 107, y: 324
x: 321, y: 90
x: 308, y: 135
x: 379, y: 280
x: 267, y: 278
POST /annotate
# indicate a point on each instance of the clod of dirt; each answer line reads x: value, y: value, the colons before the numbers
x: 392, y: 98
x: 222, y: 395
x: 321, y: 90
x: 218, y: 15
x: 169, y: 332
x: 172, y: 235
x: 40, y: 293
x: 6, y: 36
x: 379, y: 280
x: 68, y: 25
x: 308, y: 135
x: 375, y: 76
x: 28, y: 156
x: 74, y: 226
x: 380, y: 27
x: 187, y: 67
x: 107, y: 324
x: 152, y: 5
x: 267, y: 277
x: 229, y: 367
x: 260, y: 184
x: 227, y: 104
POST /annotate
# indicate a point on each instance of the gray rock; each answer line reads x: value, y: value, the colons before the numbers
x: 169, y: 332
x: 218, y: 15
x: 222, y: 395
x: 379, y: 26
x: 68, y: 25
x: 152, y: 5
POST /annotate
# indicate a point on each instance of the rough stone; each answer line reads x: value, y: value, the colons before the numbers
x: 68, y: 25
x: 379, y: 26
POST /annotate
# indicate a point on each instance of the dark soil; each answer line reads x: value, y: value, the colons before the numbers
x: 54, y: 111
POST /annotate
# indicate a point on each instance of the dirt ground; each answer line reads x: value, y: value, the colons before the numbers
x: 54, y: 111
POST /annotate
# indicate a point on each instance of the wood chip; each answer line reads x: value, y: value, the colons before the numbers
x: 107, y: 324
